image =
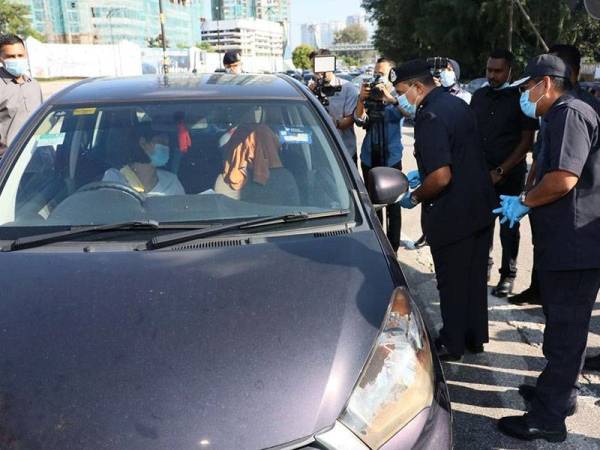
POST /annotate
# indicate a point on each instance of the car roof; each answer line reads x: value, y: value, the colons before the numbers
x: 179, y: 86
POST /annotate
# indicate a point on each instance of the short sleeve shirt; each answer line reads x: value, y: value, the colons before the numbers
x: 501, y: 123
x: 567, y: 231
x: 17, y: 103
x: 341, y: 105
x: 446, y: 135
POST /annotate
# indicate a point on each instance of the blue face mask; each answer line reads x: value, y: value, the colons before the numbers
x: 527, y: 106
x: 407, y: 106
x: 447, y: 78
x: 160, y: 155
x: 16, y: 67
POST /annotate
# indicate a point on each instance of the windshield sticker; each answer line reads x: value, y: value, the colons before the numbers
x: 296, y: 135
x: 51, y: 139
x: 84, y: 111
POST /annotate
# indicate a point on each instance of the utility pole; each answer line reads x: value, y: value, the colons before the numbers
x: 511, y: 11
x: 164, y: 38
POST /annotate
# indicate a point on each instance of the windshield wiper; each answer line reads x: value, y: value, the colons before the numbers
x: 158, y: 242
x: 42, y: 239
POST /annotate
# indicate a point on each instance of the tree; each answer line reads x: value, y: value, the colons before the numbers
x: 156, y: 42
x: 353, y: 34
x: 468, y: 29
x: 300, y: 56
x: 15, y: 19
x: 205, y: 46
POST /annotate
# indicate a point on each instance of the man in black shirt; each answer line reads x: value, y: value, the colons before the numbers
x: 507, y: 136
x: 565, y: 215
x: 455, y: 193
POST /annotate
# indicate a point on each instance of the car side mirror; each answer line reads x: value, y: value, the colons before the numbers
x: 386, y: 185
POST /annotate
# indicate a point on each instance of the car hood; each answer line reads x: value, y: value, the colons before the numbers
x: 224, y: 348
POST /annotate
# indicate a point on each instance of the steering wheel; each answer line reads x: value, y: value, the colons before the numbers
x: 98, y: 185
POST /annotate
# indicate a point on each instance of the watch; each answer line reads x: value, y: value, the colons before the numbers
x: 413, y: 200
x: 522, y: 197
x: 499, y: 171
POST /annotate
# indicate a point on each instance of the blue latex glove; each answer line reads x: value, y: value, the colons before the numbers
x: 414, y: 179
x: 406, y: 202
x: 511, y: 209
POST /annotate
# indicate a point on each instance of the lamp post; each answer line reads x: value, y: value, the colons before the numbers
x: 164, y: 38
x: 218, y: 9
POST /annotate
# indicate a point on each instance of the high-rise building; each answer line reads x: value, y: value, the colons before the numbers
x: 320, y: 35
x: 109, y: 21
x: 273, y: 10
x: 357, y: 19
x: 311, y: 34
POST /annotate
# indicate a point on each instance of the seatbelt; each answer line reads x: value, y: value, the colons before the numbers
x: 132, y: 179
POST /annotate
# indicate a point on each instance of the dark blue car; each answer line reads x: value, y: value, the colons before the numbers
x: 193, y: 262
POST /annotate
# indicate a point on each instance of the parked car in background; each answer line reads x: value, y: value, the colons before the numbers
x: 193, y: 262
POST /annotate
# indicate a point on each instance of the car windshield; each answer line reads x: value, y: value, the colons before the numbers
x: 173, y: 162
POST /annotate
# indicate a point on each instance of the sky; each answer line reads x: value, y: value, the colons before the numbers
x: 304, y: 11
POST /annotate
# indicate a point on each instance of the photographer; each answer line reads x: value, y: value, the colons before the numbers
x: 339, y: 99
x: 377, y: 112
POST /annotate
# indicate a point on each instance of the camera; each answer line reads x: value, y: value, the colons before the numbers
x: 377, y: 93
x: 438, y: 63
x: 323, y: 89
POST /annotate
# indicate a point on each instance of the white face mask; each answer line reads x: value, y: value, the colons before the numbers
x: 448, y: 78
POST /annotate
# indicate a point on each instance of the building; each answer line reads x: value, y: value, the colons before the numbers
x: 320, y: 35
x: 252, y: 37
x: 109, y: 21
x: 273, y: 10
x: 357, y: 19
x: 310, y: 34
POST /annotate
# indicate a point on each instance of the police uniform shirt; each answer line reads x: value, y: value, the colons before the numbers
x: 17, y: 103
x: 501, y: 123
x: 567, y: 231
x: 446, y: 135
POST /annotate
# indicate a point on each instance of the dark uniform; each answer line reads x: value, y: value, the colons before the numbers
x: 586, y: 97
x: 501, y: 124
x: 456, y: 223
x: 567, y: 233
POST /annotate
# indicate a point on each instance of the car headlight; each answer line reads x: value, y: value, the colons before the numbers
x: 396, y: 384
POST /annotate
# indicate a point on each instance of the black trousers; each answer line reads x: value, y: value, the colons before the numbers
x: 394, y: 214
x: 461, y: 271
x: 509, y: 237
x: 568, y: 299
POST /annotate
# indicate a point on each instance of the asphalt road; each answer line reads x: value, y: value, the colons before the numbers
x: 483, y: 387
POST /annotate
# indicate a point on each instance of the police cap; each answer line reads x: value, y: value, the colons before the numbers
x: 409, y: 70
x: 544, y: 66
x: 231, y: 57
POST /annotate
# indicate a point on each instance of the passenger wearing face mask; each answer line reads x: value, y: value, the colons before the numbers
x: 145, y: 160
x: 564, y: 207
x: 507, y: 135
x: 454, y: 187
x: 20, y: 95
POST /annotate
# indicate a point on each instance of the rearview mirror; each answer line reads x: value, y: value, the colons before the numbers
x: 386, y: 185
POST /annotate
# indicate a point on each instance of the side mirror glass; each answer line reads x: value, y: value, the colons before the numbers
x: 386, y: 185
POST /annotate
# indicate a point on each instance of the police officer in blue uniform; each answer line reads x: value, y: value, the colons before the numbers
x: 456, y: 193
x: 565, y: 213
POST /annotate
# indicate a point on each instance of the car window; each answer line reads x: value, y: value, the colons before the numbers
x: 173, y: 162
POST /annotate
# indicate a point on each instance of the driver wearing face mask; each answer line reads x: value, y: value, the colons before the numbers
x: 144, y: 168
x: 20, y: 95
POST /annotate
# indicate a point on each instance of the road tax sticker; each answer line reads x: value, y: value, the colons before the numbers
x: 296, y: 135
x: 52, y: 139
x: 84, y: 111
